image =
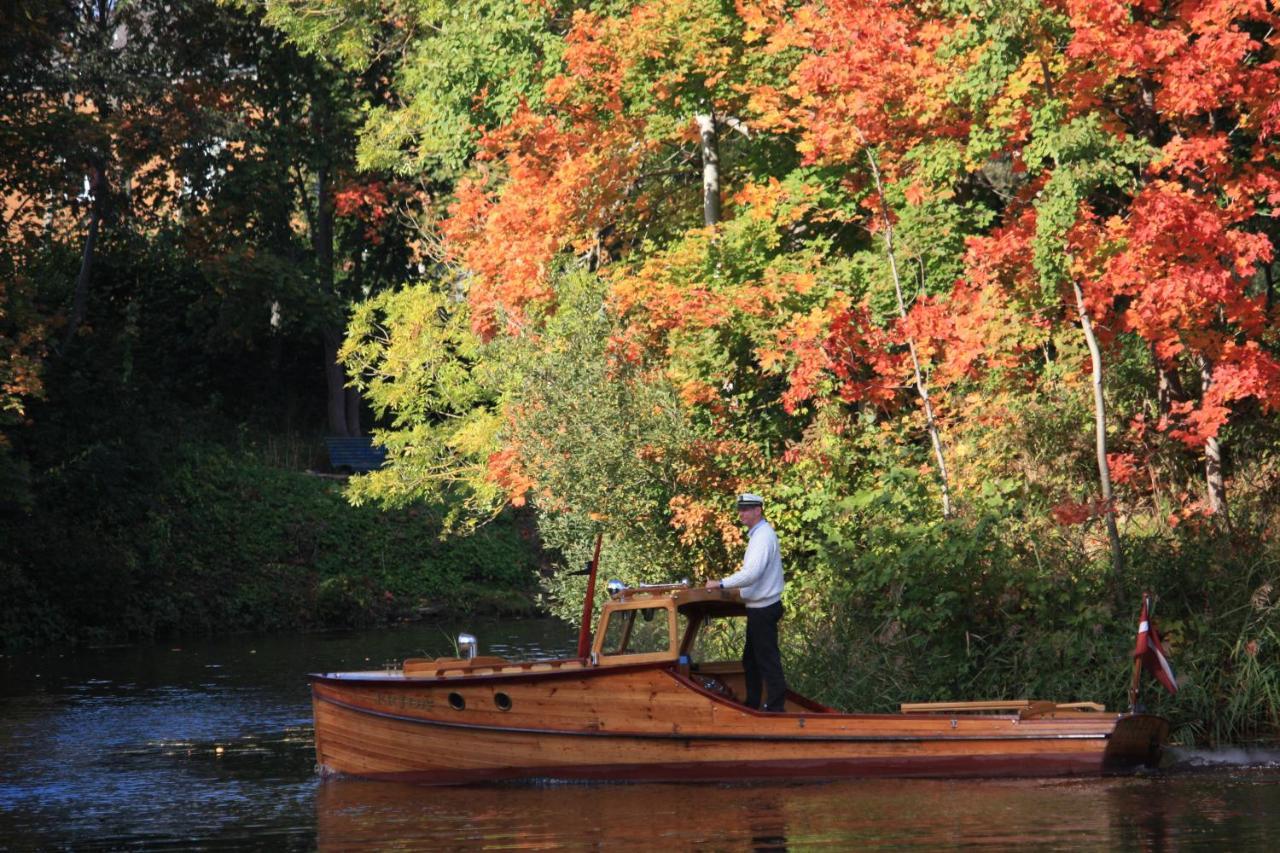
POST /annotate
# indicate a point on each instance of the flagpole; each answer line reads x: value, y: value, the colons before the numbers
x: 1137, y: 660
x: 588, y: 601
x: 1133, y: 688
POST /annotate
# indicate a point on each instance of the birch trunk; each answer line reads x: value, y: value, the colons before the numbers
x: 1214, y: 482
x: 100, y: 24
x: 80, y: 299
x: 707, y: 129
x: 1100, y: 432
x: 921, y: 387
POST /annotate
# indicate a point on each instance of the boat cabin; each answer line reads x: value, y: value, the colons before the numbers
x: 637, y: 625
x: 661, y: 624
x: 658, y: 623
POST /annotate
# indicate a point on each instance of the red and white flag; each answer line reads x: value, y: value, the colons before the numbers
x: 1151, y: 652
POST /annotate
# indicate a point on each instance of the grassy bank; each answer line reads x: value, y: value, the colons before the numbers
x: 138, y: 542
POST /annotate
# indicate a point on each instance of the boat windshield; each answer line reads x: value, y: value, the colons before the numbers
x: 641, y: 630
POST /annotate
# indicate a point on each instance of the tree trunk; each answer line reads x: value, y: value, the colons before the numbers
x: 1216, y: 486
x: 1271, y: 287
x: 80, y: 299
x: 1168, y: 386
x: 336, y: 381
x: 322, y: 236
x: 921, y: 387
x: 322, y: 248
x: 1100, y: 433
x: 710, y: 168
x: 354, y: 400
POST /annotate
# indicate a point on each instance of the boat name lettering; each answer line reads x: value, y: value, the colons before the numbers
x: 400, y: 700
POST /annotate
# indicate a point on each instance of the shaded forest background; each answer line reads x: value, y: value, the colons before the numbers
x: 180, y: 251
x: 979, y: 295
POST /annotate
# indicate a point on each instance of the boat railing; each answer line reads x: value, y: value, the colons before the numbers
x: 621, y: 592
x: 482, y: 665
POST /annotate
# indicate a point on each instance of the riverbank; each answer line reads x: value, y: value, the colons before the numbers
x: 131, y: 540
x: 198, y: 539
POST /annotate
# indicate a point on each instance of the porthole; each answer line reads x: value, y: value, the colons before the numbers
x: 456, y: 702
x: 503, y: 701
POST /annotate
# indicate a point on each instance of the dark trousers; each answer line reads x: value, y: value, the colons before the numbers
x: 761, y: 661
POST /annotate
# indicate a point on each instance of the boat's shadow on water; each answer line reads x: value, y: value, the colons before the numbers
x: 1165, y: 810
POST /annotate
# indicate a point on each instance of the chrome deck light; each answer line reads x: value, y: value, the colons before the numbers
x: 467, y: 646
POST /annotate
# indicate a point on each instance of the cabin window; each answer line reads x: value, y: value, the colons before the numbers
x: 640, y: 631
x: 719, y: 639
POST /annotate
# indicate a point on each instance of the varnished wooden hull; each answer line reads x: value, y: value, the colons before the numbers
x: 649, y: 723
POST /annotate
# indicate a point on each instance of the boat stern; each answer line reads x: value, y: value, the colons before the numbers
x: 1136, y: 743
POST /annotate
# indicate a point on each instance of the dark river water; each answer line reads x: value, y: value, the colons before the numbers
x: 209, y: 745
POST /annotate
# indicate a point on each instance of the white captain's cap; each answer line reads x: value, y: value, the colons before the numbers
x: 747, y: 499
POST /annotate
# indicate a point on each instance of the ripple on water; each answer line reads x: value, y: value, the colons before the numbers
x: 1242, y: 758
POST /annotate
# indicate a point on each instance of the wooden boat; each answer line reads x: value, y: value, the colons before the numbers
x: 640, y: 706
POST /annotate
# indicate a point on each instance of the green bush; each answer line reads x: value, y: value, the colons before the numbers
x: 198, y: 539
x: 993, y: 607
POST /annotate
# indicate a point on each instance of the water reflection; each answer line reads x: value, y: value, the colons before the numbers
x: 352, y: 813
x: 1151, y: 814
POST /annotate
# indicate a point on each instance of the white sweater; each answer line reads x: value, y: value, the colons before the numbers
x: 760, y: 577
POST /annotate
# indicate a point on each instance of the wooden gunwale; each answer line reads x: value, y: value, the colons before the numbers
x: 958, y: 767
x: 1026, y: 764
x: 685, y: 736
x: 463, y: 677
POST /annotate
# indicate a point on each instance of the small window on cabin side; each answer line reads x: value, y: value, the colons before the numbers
x: 637, y: 632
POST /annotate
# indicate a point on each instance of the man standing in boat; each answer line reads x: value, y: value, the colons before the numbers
x: 760, y: 583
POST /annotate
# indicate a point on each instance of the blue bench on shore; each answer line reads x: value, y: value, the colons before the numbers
x: 354, y: 455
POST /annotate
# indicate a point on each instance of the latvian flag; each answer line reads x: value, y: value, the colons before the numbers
x: 1151, y: 652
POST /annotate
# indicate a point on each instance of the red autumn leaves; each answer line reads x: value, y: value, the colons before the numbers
x: 1168, y: 253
